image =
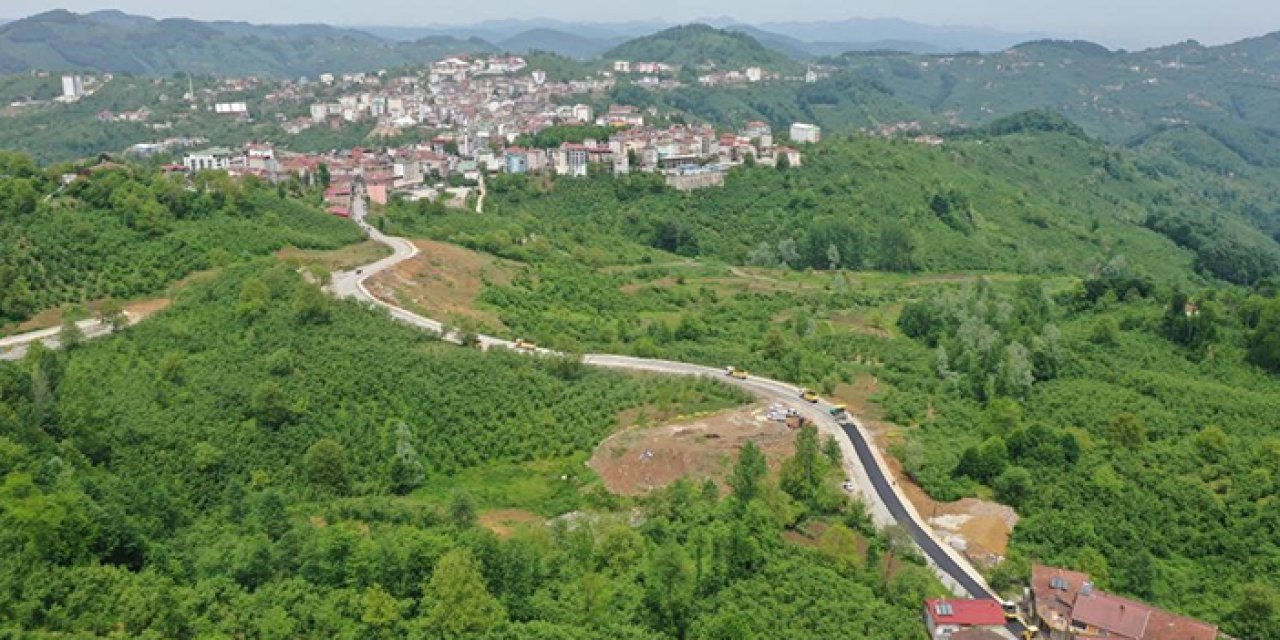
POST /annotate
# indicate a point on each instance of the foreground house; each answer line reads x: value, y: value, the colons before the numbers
x: 955, y: 619
x: 1066, y: 606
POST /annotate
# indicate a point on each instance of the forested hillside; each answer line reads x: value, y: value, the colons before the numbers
x: 697, y: 45
x: 261, y: 461
x: 121, y: 231
x: 1036, y: 198
x: 1227, y: 91
x: 1120, y: 397
x: 113, y: 42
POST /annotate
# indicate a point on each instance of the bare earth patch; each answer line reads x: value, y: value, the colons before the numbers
x: 443, y: 281
x: 981, y: 527
x: 343, y: 259
x: 635, y: 461
x: 504, y: 522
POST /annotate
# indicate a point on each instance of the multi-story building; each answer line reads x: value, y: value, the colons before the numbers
x: 212, y: 159
x: 802, y: 133
x: 72, y: 87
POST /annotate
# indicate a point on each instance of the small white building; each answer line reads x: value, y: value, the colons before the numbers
x: 805, y: 133
x: 583, y: 113
x: 238, y: 109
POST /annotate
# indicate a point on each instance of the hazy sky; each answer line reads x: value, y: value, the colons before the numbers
x: 1127, y: 23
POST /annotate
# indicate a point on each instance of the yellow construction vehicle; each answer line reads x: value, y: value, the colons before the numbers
x: 735, y: 372
x: 1031, y: 632
x: 525, y: 345
x: 837, y: 410
x: 809, y: 395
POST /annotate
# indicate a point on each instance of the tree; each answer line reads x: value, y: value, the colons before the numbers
x: 1106, y: 331
x: 748, y: 473
x: 456, y: 603
x: 379, y: 609
x: 1016, y: 374
x: 405, y: 471
x: 310, y: 305
x: 323, y: 175
x: 984, y: 462
x: 669, y: 589
x: 269, y: 405
x: 783, y: 161
x: 898, y: 246
x: 111, y: 313
x: 325, y: 467
x: 462, y: 510
x: 842, y: 546
x: 1127, y: 430
x: 803, y: 473
x: 70, y: 336
x: 254, y: 297
x: 1264, y: 343
x: 1257, y: 615
x: 1013, y: 486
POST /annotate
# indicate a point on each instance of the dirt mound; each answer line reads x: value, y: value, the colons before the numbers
x: 635, y: 461
x: 443, y: 282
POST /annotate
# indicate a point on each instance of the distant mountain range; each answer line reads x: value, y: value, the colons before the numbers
x: 800, y: 40
x: 111, y: 41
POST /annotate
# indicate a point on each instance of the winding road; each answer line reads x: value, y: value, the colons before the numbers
x: 864, y: 464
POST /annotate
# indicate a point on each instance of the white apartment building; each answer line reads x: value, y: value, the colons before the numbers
x: 805, y: 133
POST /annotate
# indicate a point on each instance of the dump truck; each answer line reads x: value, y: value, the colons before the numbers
x: 525, y: 345
x: 735, y: 372
x: 1010, y: 610
x: 809, y: 395
x: 838, y: 410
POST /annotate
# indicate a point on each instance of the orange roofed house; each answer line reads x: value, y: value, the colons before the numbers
x: 1068, y: 607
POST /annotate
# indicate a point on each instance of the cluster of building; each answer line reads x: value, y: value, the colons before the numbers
x: 691, y: 157
x: 1061, y: 604
x: 482, y: 97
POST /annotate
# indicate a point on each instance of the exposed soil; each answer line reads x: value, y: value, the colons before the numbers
x: 637, y: 460
x: 444, y: 281
x: 137, y: 310
x: 348, y: 257
x: 504, y: 522
x: 982, y: 527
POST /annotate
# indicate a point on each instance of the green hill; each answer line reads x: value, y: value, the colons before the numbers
x: 261, y: 461
x: 700, y: 46
x: 118, y: 43
x: 1036, y: 198
x: 1228, y: 90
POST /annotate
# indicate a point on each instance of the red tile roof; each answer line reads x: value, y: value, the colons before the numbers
x: 1170, y: 626
x: 1118, y: 616
x: 965, y: 613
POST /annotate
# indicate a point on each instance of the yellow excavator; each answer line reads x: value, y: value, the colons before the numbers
x: 809, y: 395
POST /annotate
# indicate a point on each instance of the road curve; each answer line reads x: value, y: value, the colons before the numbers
x: 863, y: 462
x: 885, y: 501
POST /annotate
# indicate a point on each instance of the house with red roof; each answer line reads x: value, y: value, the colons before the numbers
x: 946, y: 617
x: 1067, y: 606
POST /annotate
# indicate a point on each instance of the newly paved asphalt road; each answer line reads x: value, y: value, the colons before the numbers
x: 885, y: 501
